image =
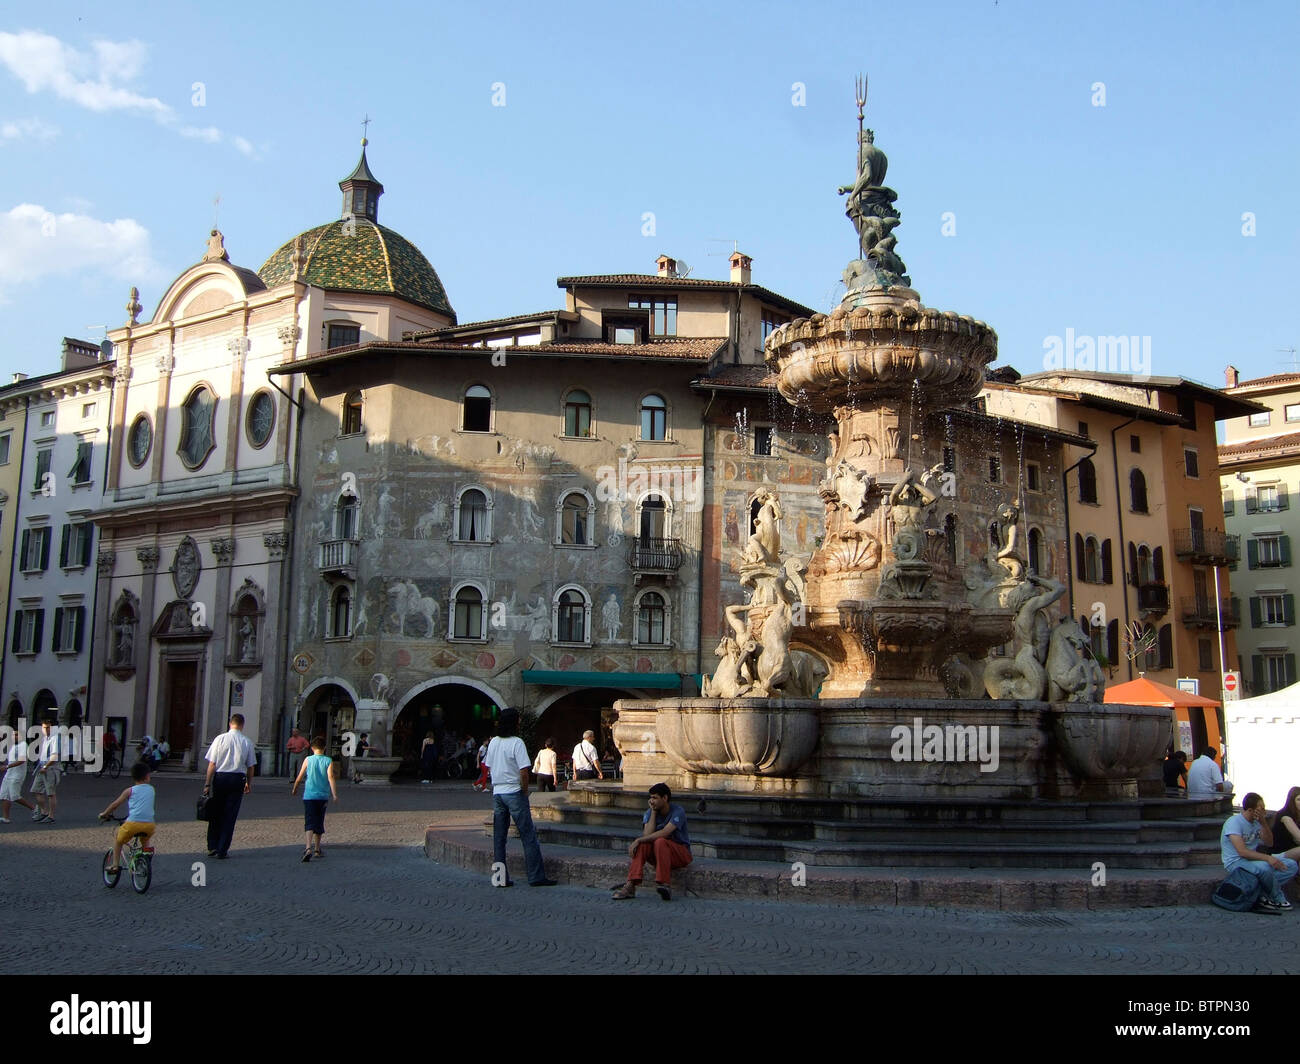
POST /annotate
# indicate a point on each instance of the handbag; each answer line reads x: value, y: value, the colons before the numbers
x: 201, y: 810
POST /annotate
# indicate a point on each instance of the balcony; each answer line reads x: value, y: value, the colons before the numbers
x: 1153, y: 597
x: 1202, y: 546
x: 649, y: 556
x: 339, y: 557
x: 1201, y: 613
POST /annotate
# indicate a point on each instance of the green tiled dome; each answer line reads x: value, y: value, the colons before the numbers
x: 368, y: 258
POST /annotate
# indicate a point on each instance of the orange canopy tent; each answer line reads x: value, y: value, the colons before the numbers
x: 1188, y: 708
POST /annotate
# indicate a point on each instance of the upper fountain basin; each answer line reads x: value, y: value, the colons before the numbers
x: 890, y: 349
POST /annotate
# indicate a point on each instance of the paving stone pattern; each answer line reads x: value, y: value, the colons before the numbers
x: 377, y: 904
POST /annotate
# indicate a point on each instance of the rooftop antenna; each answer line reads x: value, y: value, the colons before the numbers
x: 1295, y: 362
x: 216, y: 210
x: 735, y: 244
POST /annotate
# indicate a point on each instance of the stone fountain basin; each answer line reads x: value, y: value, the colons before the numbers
x: 738, y: 736
x: 1110, y: 742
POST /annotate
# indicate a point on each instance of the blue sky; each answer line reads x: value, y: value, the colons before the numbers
x: 1125, y: 218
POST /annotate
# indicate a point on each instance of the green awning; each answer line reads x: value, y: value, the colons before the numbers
x: 560, y: 678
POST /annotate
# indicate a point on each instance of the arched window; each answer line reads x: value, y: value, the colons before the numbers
x: 651, y: 619
x: 1146, y: 573
x: 572, y: 612
x: 654, y: 418
x: 577, y: 414
x: 345, y: 517
x: 197, y: 415
x: 1092, y: 560
x: 1035, y: 551
x: 472, y: 517
x: 476, y: 412
x: 1137, y: 487
x: 654, y: 519
x: 1087, y: 481
x: 340, y: 626
x: 467, y: 613
x: 351, y: 414
x: 577, y: 512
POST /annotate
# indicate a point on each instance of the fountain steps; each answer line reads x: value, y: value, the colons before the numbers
x: 910, y: 834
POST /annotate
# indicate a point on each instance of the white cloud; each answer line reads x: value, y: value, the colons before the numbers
x: 27, y: 129
x: 36, y: 244
x: 99, y: 81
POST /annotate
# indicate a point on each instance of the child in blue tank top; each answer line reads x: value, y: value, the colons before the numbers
x: 319, y: 771
x: 139, y: 800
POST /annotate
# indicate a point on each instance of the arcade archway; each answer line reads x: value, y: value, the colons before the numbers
x: 567, y: 716
x: 453, y: 710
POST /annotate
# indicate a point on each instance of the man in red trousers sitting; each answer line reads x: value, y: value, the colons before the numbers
x: 663, y: 843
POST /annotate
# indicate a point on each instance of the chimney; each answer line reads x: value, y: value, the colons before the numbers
x: 19, y: 377
x: 1230, y: 377
x: 667, y: 266
x: 741, y: 267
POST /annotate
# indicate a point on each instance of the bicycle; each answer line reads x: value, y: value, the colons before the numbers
x: 137, y: 858
x: 112, y: 764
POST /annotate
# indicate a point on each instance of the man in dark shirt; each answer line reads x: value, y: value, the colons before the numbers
x: 1175, y: 770
x: 663, y: 842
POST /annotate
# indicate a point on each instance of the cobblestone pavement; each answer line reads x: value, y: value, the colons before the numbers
x: 376, y: 904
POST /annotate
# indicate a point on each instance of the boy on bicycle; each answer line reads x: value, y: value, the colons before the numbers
x: 139, y: 812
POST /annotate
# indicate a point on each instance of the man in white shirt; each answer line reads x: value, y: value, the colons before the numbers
x: 45, y: 777
x: 11, y: 788
x: 231, y: 758
x: 508, y: 762
x: 586, y: 761
x: 1204, y: 780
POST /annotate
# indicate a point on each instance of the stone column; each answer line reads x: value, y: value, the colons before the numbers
x: 99, y: 640
x: 275, y: 623
x: 213, y: 717
x: 144, y: 651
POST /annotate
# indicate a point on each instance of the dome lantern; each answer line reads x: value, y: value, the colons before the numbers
x: 361, y: 191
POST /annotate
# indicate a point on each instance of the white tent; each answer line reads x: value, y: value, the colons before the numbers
x: 1264, y: 744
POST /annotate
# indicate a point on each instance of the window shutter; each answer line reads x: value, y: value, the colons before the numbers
x: 1106, y: 575
x: 63, y: 545
x: 1288, y: 609
x: 1257, y: 672
x: 1252, y: 500
x: 1256, y: 611
x: 38, y: 632
x: 79, y: 634
x: 1165, y: 642
x: 57, y: 642
x: 1282, y: 501
x: 45, y: 550
x: 87, y: 540
x: 1081, y: 570
x: 1252, y: 554
x: 1112, y: 641
x: 1158, y: 564
x: 1289, y: 659
x: 16, y: 644
x: 22, y: 553
x: 1133, y: 564
x: 1285, y: 543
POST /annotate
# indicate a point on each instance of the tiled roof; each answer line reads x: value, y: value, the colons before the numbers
x: 371, y: 258
x: 1276, y: 378
x: 643, y: 280
x: 1286, y: 441
x: 744, y: 377
x: 698, y: 349
x: 461, y: 326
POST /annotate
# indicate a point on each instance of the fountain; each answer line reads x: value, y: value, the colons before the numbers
x: 856, y: 675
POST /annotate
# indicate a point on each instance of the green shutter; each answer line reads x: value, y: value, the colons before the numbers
x: 1252, y: 554
x: 1256, y: 611
x: 22, y: 552
x: 40, y: 631
x: 57, y: 642
x: 86, y: 541
x: 45, y: 550
x: 1285, y: 543
x: 1106, y: 575
x: 16, y: 644
x: 63, y: 545
x: 79, y: 633
x: 1258, y: 675
x: 1252, y: 501
x: 1289, y: 659
x: 1282, y: 501
x: 1288, y: 609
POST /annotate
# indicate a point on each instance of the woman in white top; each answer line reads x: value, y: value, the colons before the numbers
x: 544, y: 767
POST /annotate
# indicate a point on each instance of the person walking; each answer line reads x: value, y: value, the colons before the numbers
x: 297, y: 750
x: 428, y: 758
x: 15, y: 775
x: 544, y: 766
x: 507, y: 761
x: 230, y: 758
x: 320, y: 774
x: 586, y: 761
x: 45, y: 777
